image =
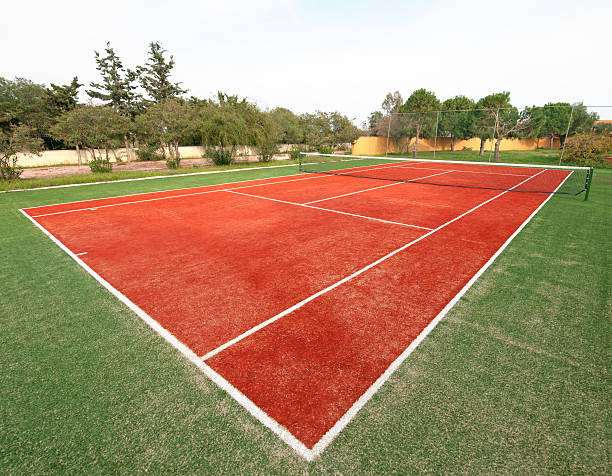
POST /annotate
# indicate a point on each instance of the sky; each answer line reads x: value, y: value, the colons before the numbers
x: 328, y: 55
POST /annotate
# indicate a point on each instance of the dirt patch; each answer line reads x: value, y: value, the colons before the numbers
x: 46, y: 172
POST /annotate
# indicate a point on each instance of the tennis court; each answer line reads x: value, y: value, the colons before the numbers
x: 301, y: 295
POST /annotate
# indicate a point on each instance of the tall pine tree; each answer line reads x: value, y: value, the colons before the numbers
x: 155, y: 75
x: 118, y: 87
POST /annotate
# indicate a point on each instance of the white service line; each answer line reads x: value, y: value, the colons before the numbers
x: 351, y: 276
x: 171, y: 196
x: 81, y: 254
x: 375, y: 188
x: 328, y: 210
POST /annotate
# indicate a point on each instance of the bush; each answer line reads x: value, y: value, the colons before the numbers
x: 148, y: 152
x: 294, y: 154
x: 9, y: 169
x: 99, y: 166
x: 173, y: 163
x: 220, y: 155
x: 325, y: 150
x: 267, y: 152
x: 587, y: 149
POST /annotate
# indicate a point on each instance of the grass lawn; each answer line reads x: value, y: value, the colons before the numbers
x: 515, y: 379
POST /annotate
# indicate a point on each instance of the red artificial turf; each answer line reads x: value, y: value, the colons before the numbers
x: 210, y: 266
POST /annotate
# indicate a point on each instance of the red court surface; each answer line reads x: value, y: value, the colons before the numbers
x: 298, y: 295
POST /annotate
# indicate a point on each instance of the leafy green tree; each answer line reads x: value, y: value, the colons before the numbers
x: 155, y: 75
x: 97, y: 128
x: 63, y: 98
x: 420, y: 106
x: 373, y: 121
x: 291, y: 126
x: 15, y: 140
x: 327, y: 130
x: 23, y: 102
x: 456, y: 119
x: 224, y: 128
x: 118, y: 86
x: 164, y: 125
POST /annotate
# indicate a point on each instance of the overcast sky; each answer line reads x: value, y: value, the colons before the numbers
x: 328, y: 55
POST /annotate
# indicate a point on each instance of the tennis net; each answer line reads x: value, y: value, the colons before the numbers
x: 524, y: 178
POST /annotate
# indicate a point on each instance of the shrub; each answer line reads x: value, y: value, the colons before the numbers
x: 148, y: 152
x: 587, y: 148
x: 9, y: 169
x: 325, y: 150
x: 294, y: 154
x: 267, y: 152
x: 219, y: 155
x: 173, y: 163
x: 99, y: 166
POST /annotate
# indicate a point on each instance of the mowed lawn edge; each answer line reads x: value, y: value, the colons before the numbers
x: 514, y: 378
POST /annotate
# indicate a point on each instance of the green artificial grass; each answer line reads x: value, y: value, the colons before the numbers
x: 513, y: 380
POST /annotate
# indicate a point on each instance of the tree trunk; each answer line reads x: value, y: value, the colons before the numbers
x: 496, y: 154
x: 127, y: 147
x: 78, y: 151
x: 482, y: 147
x: 117, y: 160
x: 452, y: 143
x: 552, y: 140
x: 178, y: 154
x: 415, y: 151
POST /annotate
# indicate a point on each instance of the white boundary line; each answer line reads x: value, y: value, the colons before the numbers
x: 146, y: 178
x: 326, y: 439
x: 275, y: 427
x: 329, y: 210
x: 164, y: 198
x: 375, y: 188
x: 311, y: 176
x: 351, y: 276
x: 222, y: 383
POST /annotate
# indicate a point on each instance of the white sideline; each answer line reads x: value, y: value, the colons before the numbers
x: 375, y: 188
x: 328, y: 210
x: 351, y: 276
x: 222, y: 383
x: 188, y: 188
x: 280, y: 431
x: 147, y: 178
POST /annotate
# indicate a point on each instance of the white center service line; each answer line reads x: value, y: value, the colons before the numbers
x: 382, y: 186
x: 329, y: 210
x: 355, y: 274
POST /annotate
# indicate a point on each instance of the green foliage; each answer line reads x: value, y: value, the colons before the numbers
x: 96, y: 128
x: 118, y: 88
x: 329, y: 130
x: 373, y: 122
x: 155, y: 75
x: 173, y: 163
x: 149, y: 153
x: 219, y: 155
x: 455, y: 121
x: 101, y: 165
x: 587, y: 148
x: 421, y: 118
x: 602, y: 128
x: 63, y: 98
x: 392, y: 102
x: 16, y: 140
x: 291, y: 126
x: 165, y: 124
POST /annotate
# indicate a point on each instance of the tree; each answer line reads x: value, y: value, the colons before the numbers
x: 63, y: 98
x: 155, y: 75
x: 224, y: 128
x: 456, y: 119
x: 372, y: 124
x: 15, y: 140
x: 327, y: 130
x: 291, y: 127
x: 24, y: 102
x: 164, y: 125
x: 420, y: 105
x: 266, y: 135
x: 97, y: 128
x: 392, y: 102
x: 118, y: 88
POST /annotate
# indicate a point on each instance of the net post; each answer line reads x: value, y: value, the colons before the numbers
x: 436, y: 134
x: 566, y: 133
x: 300, y: 168
x: 588, y: 183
